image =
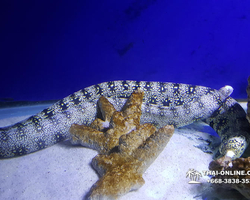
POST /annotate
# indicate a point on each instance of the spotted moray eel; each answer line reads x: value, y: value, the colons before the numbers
x: 163, y: 103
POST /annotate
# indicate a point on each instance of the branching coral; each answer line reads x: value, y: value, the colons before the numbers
x: 239, y: 182
x: 126, y: 147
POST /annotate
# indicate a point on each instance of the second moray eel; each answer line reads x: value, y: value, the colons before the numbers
x: 163, y: 103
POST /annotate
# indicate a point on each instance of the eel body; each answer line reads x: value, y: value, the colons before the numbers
x: 163, y: 103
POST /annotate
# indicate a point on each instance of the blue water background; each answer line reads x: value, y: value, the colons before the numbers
x: 50, y: 49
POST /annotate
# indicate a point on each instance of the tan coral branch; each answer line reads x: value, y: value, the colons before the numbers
x: 242, y: 183
x: 120, y: 123
x: 122, y: 172
x: 126, y: 147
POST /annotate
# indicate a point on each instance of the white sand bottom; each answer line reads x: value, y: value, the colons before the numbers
x: 64, y: 171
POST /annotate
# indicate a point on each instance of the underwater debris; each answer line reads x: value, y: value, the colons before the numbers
x: 125, y: 49
x: 126, y: 147
x: 240, y: 182
x: 248, y: 100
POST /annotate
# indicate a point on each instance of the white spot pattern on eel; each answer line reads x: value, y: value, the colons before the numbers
x: 163, y: 103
